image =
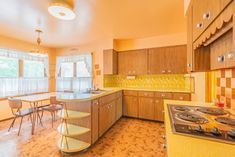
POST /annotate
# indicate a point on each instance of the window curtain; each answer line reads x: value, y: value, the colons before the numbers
x: 79, y: 83
x: 26, y: 56
x: 20, y: 85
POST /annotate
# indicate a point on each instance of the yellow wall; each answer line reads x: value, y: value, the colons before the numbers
x: 157, y: 41
x: 6, y: 42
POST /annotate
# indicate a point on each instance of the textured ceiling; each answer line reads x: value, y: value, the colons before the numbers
x: 95, y: 20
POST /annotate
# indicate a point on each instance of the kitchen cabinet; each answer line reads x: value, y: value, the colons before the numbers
x: 132, y: 62
x: 146, y: 108
x: 156, y: 60
x: 167, y: 60
x: 110, y: 61
x: 210, y: 44
x: 103, y: 119
x: 149, y: 104
x: 159, y: 110
x: 130, y: 106
x: 95, y: 121
x: 118, y: 108
x: 190, y: 39
x: 204, y: 12
x: 109, y: 108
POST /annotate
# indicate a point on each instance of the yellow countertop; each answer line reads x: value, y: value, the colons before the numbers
x: 154, y: 90
x: 79, y: 97
x: 186, y: 146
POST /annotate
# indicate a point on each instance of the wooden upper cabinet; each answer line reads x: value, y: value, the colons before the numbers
x: 156, y: 61
x: 190, y: 39
x: 167, y: 60
x: 110, y: 61
x: 132, y: 62
x: 204, y: 13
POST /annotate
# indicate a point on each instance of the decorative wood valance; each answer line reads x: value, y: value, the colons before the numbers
x: 222, y: 24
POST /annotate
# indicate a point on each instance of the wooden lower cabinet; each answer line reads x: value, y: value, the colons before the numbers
x: 103, y: 120
x: 118, y: 108
x: 146, y: 108
x: 159, y: 110
x: 130, y: 106
x: 111, y: 113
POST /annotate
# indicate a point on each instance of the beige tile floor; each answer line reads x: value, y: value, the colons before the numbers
x: 127, y: 138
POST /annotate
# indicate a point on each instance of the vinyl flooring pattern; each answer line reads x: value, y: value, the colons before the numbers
x: 127, y: 138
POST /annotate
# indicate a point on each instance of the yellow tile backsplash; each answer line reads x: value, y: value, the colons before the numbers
x: 159, y: 82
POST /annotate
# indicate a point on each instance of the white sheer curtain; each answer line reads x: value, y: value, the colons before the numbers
x: 11, y: 86
x: 82, y: 79
x: 18, y: 86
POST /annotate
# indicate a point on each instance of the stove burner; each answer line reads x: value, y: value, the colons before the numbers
x: 192, y: 117
x: 226, y: 120
x: 231, y: 133
x: 181, y: 108
x: 212, y: 111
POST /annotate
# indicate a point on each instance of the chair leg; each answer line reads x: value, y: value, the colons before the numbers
x: 30, y: 116
x: 12, y: 123
x: 40, y: 118
x: 52, y: 119
x: 20, y: 125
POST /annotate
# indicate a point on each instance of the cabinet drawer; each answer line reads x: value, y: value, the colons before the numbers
x: 181, y: 96
x: 146, y: 94
x: 107, y: 99
x: 163, y: 95
x: 130, y: 93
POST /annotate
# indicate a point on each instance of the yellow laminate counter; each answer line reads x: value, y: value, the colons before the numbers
x: 186, y: 146
x: 79, y: 97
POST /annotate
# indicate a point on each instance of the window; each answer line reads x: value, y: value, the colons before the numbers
x: 67, y: 69
x: 22, y: 73
x: 33, y: 69
x: 65, y: 73
x: 9, y: 67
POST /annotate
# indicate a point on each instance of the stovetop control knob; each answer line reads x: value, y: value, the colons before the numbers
x: 215, y: 131
x: 199, y: 129
x: 231, y: 133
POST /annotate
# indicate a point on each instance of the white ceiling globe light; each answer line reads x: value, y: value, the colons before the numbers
x: 61, y: 10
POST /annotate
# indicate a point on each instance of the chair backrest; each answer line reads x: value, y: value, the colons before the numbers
x: 53, y: 100
x: 15, y: 104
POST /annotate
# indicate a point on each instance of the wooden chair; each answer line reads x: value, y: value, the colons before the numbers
x: 17, y: 111
x: 53, y: 107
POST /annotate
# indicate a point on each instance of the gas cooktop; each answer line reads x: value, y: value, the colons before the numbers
x: 204, y: 122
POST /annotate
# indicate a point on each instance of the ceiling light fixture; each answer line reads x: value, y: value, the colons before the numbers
x: 61, y: 9
x: 39, y: 41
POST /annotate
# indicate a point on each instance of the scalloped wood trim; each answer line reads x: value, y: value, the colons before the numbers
x: 216, y: 26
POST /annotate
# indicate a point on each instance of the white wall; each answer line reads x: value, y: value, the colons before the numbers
x: 200, y: 87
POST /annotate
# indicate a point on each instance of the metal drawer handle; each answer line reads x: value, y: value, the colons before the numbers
x: 164, y: 146
x: 163, y: 71
x: 169, y: 71
x: 189, y: 65
x: 206, y: 16
x: 181, y: 98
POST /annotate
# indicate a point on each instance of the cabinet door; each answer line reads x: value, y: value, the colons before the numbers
x: 119, y: 108
x: 179, y: 59
x: 95, y: 120
x: 190, y: 39
x: 103, y: 119
x: 112, y: 113
x: 159, y: 110
x: 110, y: 61
x: 130, y: 106
x: 132, y: 62
x: 146, y: 108
x: 156, y: 61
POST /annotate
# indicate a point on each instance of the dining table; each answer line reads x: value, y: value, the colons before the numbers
x: 35, y: 101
